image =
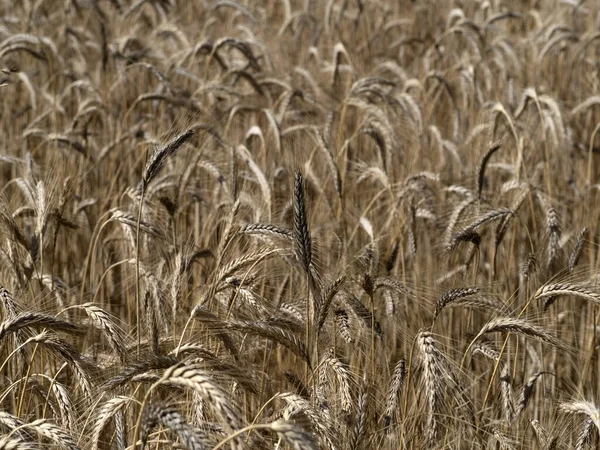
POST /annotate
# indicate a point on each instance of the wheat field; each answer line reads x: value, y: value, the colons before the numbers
x: 299, y: 224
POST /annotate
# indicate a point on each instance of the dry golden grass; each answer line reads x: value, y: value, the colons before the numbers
x: 296, y: 224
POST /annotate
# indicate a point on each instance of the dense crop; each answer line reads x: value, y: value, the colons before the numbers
x: 341, y: 224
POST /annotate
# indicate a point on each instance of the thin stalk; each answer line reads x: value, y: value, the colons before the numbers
x: 137, y: 272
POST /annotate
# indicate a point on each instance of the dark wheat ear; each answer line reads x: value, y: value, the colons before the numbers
x: 161, y: 154
x: 527, y: 391
x: 302, y: 240
x: 235, y: 186
x: 453, y: 295
x: 8, y: 302
x: 482, y: 165
x: 470, y: 234
x: 303, y: 245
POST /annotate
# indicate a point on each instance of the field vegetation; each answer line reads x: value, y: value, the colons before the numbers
x: 299, y: 224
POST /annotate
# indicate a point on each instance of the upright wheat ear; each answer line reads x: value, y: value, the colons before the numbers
x: 158, y: 158
x: 396, y: 383
x: 152, y: 168
x: 302, y: 240
x: 433, y: 371
x: 578, y: 248
x: 303, y: 251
